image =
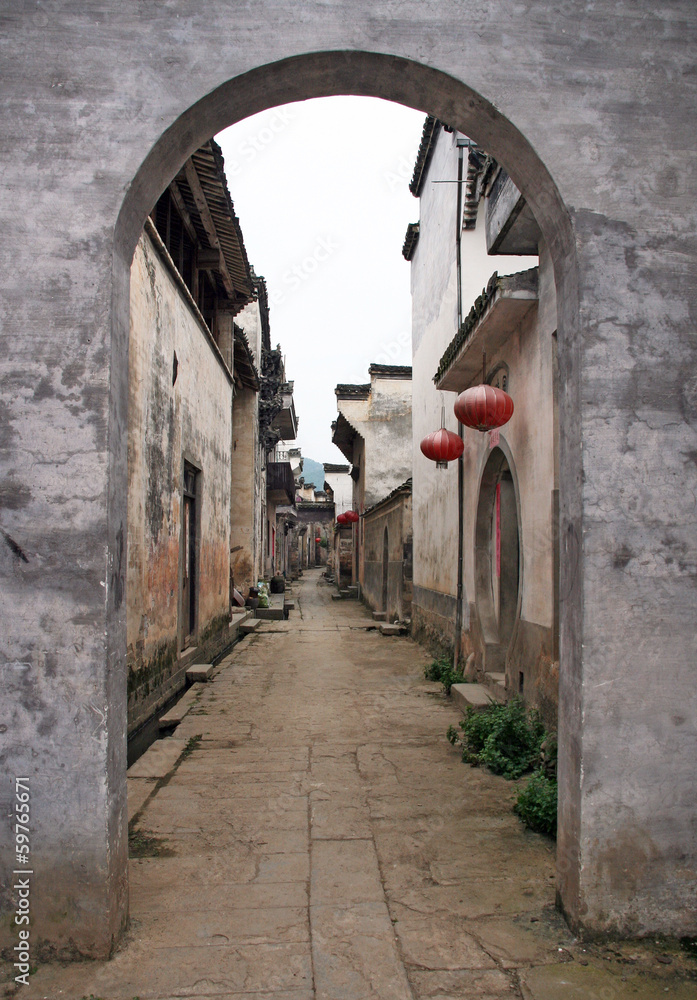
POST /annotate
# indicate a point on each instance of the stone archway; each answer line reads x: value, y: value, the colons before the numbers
x: 92, y: 132
x: 368, y: 74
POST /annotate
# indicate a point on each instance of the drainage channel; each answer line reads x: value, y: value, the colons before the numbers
x: 143, y: 738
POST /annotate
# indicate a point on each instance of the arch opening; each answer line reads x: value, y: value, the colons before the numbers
x: 420, y: 87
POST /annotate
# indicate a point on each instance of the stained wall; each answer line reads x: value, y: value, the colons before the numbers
x: 170, y: 422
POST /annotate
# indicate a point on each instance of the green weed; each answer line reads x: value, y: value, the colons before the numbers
x: 536, y: 804
x: 505, y: 738
x: 442, y: 670
x: 192, y: 744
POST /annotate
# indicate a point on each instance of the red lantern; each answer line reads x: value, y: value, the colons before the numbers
x: 342, y: 520
x: 352, y: 516
x: 483, y: 407
x: 318, y: 540
x: 442, y: 446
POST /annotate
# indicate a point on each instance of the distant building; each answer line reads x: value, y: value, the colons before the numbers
x: 387, y: 561
x: 373, y: 430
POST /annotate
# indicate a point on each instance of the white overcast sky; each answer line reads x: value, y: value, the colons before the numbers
x: 321, y: 192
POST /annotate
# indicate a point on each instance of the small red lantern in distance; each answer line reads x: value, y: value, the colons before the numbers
x: 352, y: 516
x: 318, y: 539
x: 483, y: 407
x: 442, y: 446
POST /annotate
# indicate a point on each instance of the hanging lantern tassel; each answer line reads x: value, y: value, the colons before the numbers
x: 483, y: 407
x: 442, y: 446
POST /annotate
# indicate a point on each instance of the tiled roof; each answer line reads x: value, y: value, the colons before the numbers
x: 405, y: 488
x: 522, y: 279
x: 423, y: 157
x: 391, y: 371
x: 478, y: 165
x: 352, y: 391
x: 209, y: 167
x: 328, y: 467
x: 410, y: 240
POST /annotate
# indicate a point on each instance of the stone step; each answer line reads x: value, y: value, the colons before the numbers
x: 379, y: 616
x: 269, y: 614
x: 175, y: 715
x: 251, y: 625
x: 289, y: 605
x: 337, y: 597
x: 393, y: 629
x: 475, y: 696
x: 158, y: 760
x: 495, y: 682
x: 199, y: 672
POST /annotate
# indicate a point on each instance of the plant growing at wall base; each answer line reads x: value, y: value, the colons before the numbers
x: 442, y: 670
x: 536, y: 804
x: 505, y: 738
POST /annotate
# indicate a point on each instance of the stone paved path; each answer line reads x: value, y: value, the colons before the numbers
x: 323, y: 840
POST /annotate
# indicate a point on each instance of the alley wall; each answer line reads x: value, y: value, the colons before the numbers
x: 169, y: 423
x: 434, y: 324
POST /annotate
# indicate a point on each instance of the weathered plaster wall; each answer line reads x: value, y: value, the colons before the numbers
x: 168, y: 423
x: 528, y: 443
x: 387, y: 435
x: 103, y: 103
x: 246, y: 489
x: 396, y: 518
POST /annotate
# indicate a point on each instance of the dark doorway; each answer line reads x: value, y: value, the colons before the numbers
x: 385, y: 569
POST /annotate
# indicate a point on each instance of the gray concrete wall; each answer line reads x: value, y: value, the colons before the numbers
x: 167, y: 424
x: 102, y: 106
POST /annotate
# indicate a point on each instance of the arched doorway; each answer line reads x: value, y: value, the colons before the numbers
x: 95, y: 874
x: 497, y: 560
x: 105, y: 125
x: 410, y: 83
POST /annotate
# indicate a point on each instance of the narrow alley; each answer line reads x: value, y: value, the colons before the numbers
x: 311, y: 833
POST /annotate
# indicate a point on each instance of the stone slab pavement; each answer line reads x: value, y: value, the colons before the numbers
x: 319, y: 838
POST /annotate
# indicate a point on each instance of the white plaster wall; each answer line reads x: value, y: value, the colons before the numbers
x: 342, y: 486
x: 388, y: 438
x: 434, y: 324
x: 384, y: 423
x: 529, y: 438
x: 249, y: 319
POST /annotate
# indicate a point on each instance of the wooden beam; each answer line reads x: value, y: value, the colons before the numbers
x: 208, y: 224
x: 182, y: 209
